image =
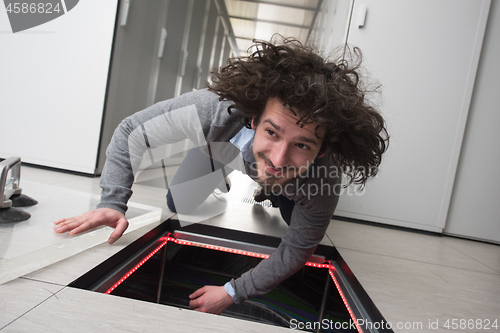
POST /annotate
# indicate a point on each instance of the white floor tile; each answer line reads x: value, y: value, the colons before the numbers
x: 20, y: 296
x: 487, y: 254
x: 75, y: 310
x: 414, y: 279
x: 66, y: 271
x: 408, y: 292
x: 433, y: 249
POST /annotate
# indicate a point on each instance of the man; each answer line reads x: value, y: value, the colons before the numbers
x: 297, y: 121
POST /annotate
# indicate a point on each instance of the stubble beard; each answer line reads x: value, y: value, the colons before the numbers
x: 265, y: 179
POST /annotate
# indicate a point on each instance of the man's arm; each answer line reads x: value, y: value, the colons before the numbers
x: 310, y: 218
x: 284, y: 262
x: 186, y: 117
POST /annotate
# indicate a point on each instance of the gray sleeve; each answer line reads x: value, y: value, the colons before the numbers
x: 189, y: 116
x: 310, y: 219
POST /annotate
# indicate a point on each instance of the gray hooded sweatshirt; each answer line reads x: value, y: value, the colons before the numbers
x: 200, y: 117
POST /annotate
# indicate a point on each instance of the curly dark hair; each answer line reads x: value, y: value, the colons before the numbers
x: 327, y: 93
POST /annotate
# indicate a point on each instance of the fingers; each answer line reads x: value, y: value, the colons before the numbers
x: 197, y: 293
x: 60, y: 220
x: 120, y: 228
x: 76, y: 224
x: 69, y: 224
x: 210, y: 299
x: 196, y: 302
x: 93, y: 219
x: 84, y: 226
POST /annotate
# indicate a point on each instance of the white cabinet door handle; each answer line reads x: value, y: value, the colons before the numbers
x: 362, y: 16
x: 126, y: 6
x: 163, y: 38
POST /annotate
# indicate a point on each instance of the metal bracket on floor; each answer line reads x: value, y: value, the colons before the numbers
x: 14, y: 164
x: 11, y: 195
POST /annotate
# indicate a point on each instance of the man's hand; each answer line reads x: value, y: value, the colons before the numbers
x: 210, y: 299
x: 101, y: 216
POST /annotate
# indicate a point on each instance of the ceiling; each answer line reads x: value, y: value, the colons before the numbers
x: 262, y: 18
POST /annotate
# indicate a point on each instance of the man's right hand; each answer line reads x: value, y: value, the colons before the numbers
x: 93, y: 219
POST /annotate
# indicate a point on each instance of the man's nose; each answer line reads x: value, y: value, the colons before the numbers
x: 280, y: 155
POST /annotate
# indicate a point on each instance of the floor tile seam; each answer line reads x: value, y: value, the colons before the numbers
x: 41, y: 281
x: 432, y: 272
x: 54, y: 294
x: 465, y: 254
x: 417, y: 261
x: 495, y: 273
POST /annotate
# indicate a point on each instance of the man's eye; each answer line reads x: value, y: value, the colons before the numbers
x: 302, y: 146
x: 270, y: 132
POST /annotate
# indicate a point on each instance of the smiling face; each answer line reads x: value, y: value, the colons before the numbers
x: 282, y: 148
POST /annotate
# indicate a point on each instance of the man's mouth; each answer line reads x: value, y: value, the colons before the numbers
x: 269, y: 168
x: 272, y: 170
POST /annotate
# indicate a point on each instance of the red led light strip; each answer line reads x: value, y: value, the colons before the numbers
x: 169, y: 238
x: 218, y: 248
x: 136, y: 267
x: 353, y: 317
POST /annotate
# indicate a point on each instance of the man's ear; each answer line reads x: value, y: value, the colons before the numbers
x: 254, y: 125
x: 322, y: 150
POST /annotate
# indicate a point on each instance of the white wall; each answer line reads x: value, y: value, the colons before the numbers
x: 475, y: 204
x: 52, y: 85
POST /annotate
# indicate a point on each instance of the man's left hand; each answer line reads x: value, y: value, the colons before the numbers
x: 210, y: 299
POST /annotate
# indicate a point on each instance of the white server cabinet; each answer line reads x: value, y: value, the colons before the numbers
x: 53, y: 84
x: 425, y: 54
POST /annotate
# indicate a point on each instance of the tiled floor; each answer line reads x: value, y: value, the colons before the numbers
x: 418, y: 281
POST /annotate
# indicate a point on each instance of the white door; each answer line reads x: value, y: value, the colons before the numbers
x: 52, y: 86
x: 425, y: 55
